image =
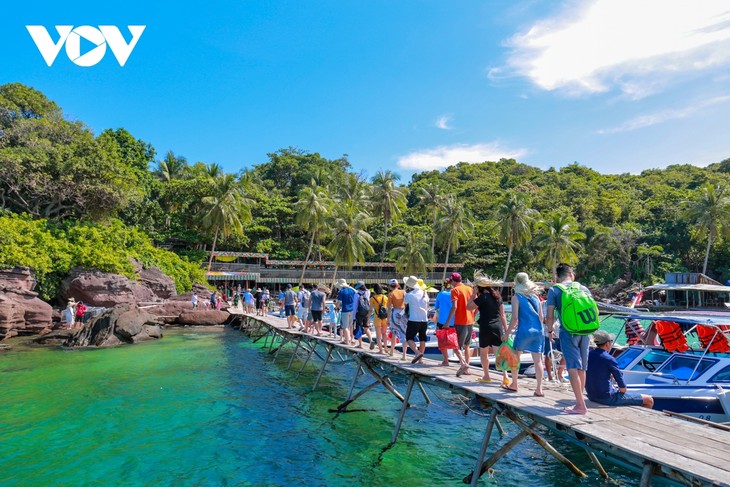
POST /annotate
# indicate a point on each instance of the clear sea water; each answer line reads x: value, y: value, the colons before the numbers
x: 208, y: 407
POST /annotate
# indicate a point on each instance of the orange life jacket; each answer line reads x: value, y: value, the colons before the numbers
x: 634, y: 331
x: 716, y: 343
x: 672, y: 337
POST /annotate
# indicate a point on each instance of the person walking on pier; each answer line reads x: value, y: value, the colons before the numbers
x: 527, y: 319
x: 574, y: 347
x: 346, y: 298
x: 361, y: 313
x: 492, y: 320
x: 463, y: 321
x: 379, y: 304
x: 398, y: 319
x: 417, y: 303
x: 290, y: 304
x: 443, y: 308
x: 601, y: 367
x: 316, y: 308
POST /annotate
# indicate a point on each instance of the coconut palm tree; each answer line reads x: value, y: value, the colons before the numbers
x: 413, y: 255
x: 514, y: 221
x: 225, y: 210
x: 710, y: 212
x: 312, y: 208
x: 389, y: 200
x: 453, y: 226
x: 430, y: 198
x: 557, y: 240
x: 351, y: 241
x: 171, y: 167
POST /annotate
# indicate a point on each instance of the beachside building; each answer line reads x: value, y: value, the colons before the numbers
x: 689, y: 290
x: 252, y: 269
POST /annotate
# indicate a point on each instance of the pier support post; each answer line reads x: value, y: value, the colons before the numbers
x: 485, y: 444
x: 496, y: 456
x: 646, y: 474
x: 294, y: 353
x: 411, y: 381
x: 545, y: 444
x: 306, y: 361
x: 597, y: 464
x: 423, y: 391
x: 284, y: 341
x: 321, y: 371
x: 354, y: 381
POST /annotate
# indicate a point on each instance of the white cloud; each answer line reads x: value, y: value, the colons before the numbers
x: 664, y: 115
x: 635, y: 46
x: 444, y: 156
x: 443, y: 122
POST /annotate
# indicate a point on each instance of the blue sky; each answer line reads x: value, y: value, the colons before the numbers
x: 616, y: 85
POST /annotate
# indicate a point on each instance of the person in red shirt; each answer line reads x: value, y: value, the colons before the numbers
x: 80, y: 311
x: 463, y: 320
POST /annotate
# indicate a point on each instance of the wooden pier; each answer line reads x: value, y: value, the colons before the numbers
x: 648, y: 442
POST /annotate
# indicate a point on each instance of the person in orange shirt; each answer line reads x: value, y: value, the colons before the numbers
x: 463, y: 320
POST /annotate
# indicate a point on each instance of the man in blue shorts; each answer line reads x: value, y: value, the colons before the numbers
x: 290, y: 305
x: 574, y: 347
x: 601, y: 366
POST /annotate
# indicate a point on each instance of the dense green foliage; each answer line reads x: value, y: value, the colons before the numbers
x: 94, y: 200
x: 52, y: 249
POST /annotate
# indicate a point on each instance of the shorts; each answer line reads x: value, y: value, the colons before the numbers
x: 489, y: 336
x: 463, y: 333
x: 551, y: 344
x: 309, y: 315
x: 575, y: 350
x: 621, y: 399
x: 346, y: 320
x: 259, y: 305
x: 362, y: 321
x: 289, y: 310
x: 414, y: 328
x: 316, y: 315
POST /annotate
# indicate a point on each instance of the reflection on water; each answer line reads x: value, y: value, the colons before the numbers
x: 210, y: 408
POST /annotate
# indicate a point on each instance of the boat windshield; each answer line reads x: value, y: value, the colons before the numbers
x: 627, y: 357
x: 722, y: 376
x: 683, y: 368
x: 652, y: 361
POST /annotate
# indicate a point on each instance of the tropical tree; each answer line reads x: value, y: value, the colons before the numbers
x: 413, y: 255
x: 388, y: 200
x: 351, y: 241
x: 430, y: 198
x: 225, y: 210
x: 514, y: 220
x: 312, y: 208
x: 453, y: 226
x: 171, y: 167
x: 710, y: 213
x: 557, y: 241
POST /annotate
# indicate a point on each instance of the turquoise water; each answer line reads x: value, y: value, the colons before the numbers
x: 210, y: 408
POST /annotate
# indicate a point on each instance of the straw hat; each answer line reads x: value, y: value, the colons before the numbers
x: 483, y: 280
x: 523, y: 284
x: 340, y: 283
x: 421, y: 284
x: 411, y: 282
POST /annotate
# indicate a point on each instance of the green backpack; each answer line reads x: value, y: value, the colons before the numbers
x: 578, y: 311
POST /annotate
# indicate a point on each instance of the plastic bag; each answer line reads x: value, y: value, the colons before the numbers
x: 447, y: 339
x: 358, y: 333
x: 507, y: 358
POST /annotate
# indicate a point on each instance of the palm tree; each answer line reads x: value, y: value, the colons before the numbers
x: 514, y: 220
x: 412, y: 257
x: 312, y: 209
x: 431, y: 198
x: 172, y: 167
x: 557, y: 241
x: 453, y: 226
x: 388, y: 200
x: 351, y: 242
x: 225, y: 210
x: 709, y: 212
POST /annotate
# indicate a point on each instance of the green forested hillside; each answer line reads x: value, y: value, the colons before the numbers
x: 75, y: 189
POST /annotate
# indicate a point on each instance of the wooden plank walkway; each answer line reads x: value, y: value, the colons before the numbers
x: 681, y: 452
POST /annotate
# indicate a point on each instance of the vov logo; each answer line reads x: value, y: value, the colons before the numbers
x: 71, y: 37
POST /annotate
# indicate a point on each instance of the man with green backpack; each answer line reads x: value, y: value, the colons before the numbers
x: 578, y: 316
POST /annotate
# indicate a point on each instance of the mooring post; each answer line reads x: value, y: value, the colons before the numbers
x: 321, y: 371
x: 411, y: 381
x: 485, y: 444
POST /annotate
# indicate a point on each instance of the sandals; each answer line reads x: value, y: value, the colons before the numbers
x: 508, y: 389
x: 539, y: 395
x: 483, y: 380
x: 417, y: 358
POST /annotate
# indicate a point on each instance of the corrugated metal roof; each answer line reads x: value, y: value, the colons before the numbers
x: 690, y: 287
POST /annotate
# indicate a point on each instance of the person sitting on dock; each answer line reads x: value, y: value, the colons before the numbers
x: 417, y: 302
x: 601, y: 367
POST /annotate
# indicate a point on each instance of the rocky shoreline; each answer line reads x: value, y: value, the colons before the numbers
x: 124, y: 310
